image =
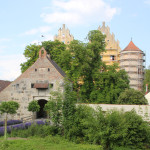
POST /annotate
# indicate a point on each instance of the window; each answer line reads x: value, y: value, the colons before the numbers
x: 17, y: 86
x: 112, y: 57
x: 35, y: 69
x: 48, y: 69
x: 32, y: 85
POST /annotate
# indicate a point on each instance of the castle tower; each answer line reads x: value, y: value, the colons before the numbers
x: 64, y: 35
x: 131, y: 60
x: 112, y: 46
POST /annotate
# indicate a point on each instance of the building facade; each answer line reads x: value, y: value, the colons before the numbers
x: 113, y: 49
x: 64, y: 35
x: 132, y: 61
x: 34, y: 84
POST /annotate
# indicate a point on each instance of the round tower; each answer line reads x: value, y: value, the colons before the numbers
x: 132, y: 61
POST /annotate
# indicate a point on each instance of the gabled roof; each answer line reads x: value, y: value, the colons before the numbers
x: 57, y: 67
x: 44, y: 55
x: 131, y: 47
x: 3, y: 84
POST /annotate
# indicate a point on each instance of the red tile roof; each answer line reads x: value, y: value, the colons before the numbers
x: 3, y: 84
x: 131, y: 47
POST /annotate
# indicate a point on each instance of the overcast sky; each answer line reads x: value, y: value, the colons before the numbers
x: 22, y: 22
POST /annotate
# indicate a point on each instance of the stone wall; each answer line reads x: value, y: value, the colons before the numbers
x: 22, y: 90
x: 142, y: 110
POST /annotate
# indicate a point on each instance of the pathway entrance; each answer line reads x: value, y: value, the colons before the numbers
x: 41, y: 113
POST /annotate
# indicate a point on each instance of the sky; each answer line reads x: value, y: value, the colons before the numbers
x: 22, y: 22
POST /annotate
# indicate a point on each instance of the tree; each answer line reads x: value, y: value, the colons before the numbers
x: 54, y: 108
x: 9, y: 107
x: 91, y: 71
x: 132, y: 96
x: 33, y: 107
x: 68, y: 109
x: 147, y: 79
x: 110, y: 83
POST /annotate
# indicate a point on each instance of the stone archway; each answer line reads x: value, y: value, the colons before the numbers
x: 41, y: 113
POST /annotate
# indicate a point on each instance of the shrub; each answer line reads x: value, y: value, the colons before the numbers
x: 35, y: 130
x: 132, y: 96
x: 10, y: 122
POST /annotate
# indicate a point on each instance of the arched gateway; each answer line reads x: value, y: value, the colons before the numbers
x: 41, y: 113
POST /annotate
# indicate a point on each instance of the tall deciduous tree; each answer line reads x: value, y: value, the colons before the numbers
x: 6, y: 108
x: 131, y: 96
x: 147, y: 79
x: 109, y: 85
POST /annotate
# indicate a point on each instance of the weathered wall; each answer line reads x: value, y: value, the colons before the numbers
x: 22, y: 91
x: 142, y: 110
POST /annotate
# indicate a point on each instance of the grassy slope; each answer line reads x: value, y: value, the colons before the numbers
x: 47, y: 143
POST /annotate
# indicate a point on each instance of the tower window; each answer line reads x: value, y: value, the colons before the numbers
x: 112, y: 57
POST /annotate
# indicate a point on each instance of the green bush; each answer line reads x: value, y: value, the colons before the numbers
x: 110, y: 129
x: 35, y: 130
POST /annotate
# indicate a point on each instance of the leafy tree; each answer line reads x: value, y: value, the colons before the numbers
x: 33, y: 107
x: 9, y: 107
x: 91, y: 72
x: 54, y: 108
x: 138, y: 131
x: 110, y: 84
x: 68, y: 109
x: 147, y: 79
x: 132, y: 96
x: 31, y: 53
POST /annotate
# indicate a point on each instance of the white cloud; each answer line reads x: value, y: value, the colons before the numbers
x: 147, y: 2
x: 41, y: 30
x: 79, y: 12
x: 10, y: 66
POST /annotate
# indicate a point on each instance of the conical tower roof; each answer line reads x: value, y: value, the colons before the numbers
x: 131, y: 47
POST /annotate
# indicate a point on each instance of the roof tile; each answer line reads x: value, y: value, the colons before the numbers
x: 131, y: 47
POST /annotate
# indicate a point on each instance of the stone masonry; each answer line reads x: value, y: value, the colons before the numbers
x: 34, y: 84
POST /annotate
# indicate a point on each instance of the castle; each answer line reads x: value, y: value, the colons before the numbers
x: 131, y: 59
x: 35, y: 82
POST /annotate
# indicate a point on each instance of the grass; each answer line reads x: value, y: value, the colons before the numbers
x: 47, y: 143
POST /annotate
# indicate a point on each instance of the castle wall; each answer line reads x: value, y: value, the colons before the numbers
x: 142, y: 110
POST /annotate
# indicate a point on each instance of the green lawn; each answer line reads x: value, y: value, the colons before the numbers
x: 47, y: 143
